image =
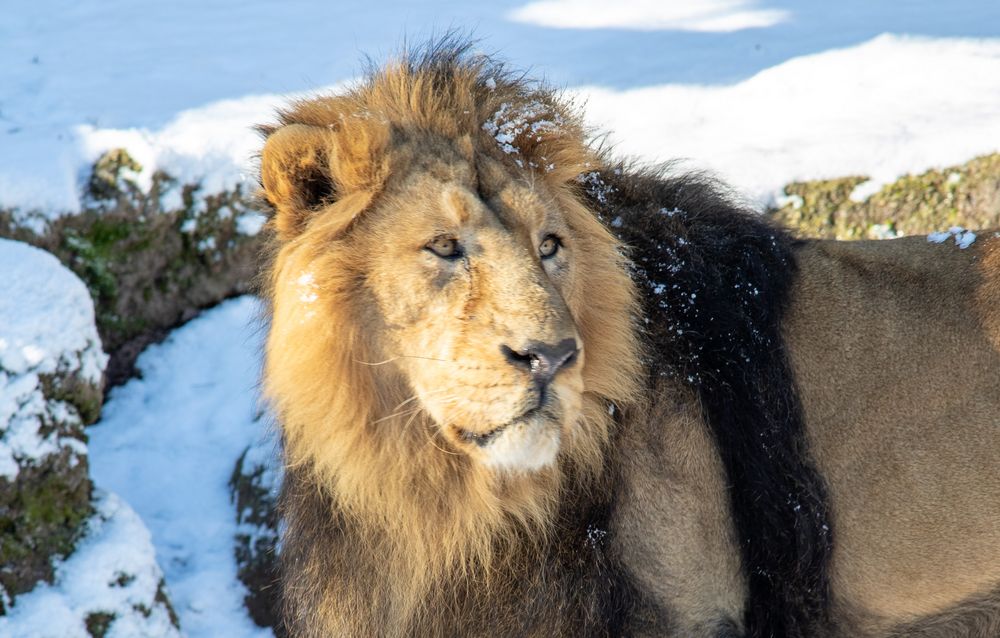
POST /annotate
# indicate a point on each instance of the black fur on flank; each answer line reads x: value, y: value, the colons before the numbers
x: 714, y: 281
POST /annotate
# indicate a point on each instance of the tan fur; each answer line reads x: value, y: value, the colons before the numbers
x: 380, y: 362
x: 673, y: 467
x: 895, y: 348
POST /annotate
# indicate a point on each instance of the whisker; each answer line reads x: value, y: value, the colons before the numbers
x: 397, y: 414
x: 417, y: 396
x: 429, y: 433
x: 457, y: 363
x: 402, y: 356
x: 430, y: 439
x: 376, y: 363
x: 414, y: 356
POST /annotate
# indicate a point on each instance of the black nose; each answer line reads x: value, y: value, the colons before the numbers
x: 543, y: 360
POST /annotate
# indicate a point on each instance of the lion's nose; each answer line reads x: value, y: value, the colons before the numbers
x: 543, y: 360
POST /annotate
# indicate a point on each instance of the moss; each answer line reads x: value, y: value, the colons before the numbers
x: 83, y: 395
x: 98, y: 623
x: 91, y: 266
x: 52, y: 506
x: 966, y: 195
x: 41, y: 515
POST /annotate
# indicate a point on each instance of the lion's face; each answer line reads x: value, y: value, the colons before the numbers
x: 468, y: 277
x: 437, y: 300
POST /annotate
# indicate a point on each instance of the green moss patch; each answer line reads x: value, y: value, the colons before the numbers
x: 966, y: 195
x: 41, y: 516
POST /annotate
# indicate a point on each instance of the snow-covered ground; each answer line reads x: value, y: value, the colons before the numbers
x: 167, y: 444
x: 761, y: 91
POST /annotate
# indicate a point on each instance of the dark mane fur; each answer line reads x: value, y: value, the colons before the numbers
x: 571, y: 585
x: 714, y: 279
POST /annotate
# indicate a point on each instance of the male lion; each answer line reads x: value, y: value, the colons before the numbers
x: 526, y: 390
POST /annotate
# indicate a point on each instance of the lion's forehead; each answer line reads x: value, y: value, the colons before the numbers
x: 474, y: 201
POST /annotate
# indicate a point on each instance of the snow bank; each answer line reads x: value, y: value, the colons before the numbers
x: 650, y: 15
x: 111, y: 580
x: 167, y: 444
x: 214, y: 146
x: 891, y: 106
x: 884, y: 108
x: 47, y: 336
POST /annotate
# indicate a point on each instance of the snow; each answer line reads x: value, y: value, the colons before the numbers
x: 761, y: 91
x: 963, y: 238
x: 884, y: 231
x: 112, y: 571
x: 168, y: 443
x: 890, y: 106
x: 250, y: 223
x: 308, y: 288
x: 510, y: 122
x: 46, y: 316
x: 46, y: 328
x: 864, y: 190
x: 650, y: 15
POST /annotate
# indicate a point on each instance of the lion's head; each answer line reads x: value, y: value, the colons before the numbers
x: 450, y: 324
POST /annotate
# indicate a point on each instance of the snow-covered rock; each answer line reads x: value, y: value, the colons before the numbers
x: 51, y: 373
x: 153, y: 249
x: 110, y: 585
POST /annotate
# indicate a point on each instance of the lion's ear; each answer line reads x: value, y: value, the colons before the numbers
x: 305, y: 168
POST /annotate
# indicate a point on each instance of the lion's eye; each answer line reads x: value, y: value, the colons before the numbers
x: 445, y: 247
x: 549, y: 246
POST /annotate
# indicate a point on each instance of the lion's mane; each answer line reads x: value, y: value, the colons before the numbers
x: 392, y: 533
x: 364, y: 472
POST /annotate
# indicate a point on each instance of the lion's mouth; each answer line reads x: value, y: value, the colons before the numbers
x: 482, y: 439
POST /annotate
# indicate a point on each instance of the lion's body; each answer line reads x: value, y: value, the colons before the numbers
x: 752, y: 437
x: 895, y: 349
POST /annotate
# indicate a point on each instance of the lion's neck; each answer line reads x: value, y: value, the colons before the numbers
x: 430, y: 522
x: 448, y: 538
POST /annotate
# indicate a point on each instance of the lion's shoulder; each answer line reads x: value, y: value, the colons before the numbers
x: 715, y: 279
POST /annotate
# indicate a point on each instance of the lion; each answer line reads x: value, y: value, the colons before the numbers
x: 528, y: 389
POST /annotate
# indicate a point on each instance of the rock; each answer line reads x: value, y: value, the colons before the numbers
x: 110, y: 585
x: 71, y: 566
x: 845, y: 208
x: 152, y: 257
x: 51, y: 367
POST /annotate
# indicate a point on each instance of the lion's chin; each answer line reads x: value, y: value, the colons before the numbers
x: 525, y: 446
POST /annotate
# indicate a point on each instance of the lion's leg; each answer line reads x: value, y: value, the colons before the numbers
x: 674, y: 522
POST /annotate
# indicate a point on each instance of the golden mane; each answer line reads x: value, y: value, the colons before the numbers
x: 349, y: 422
